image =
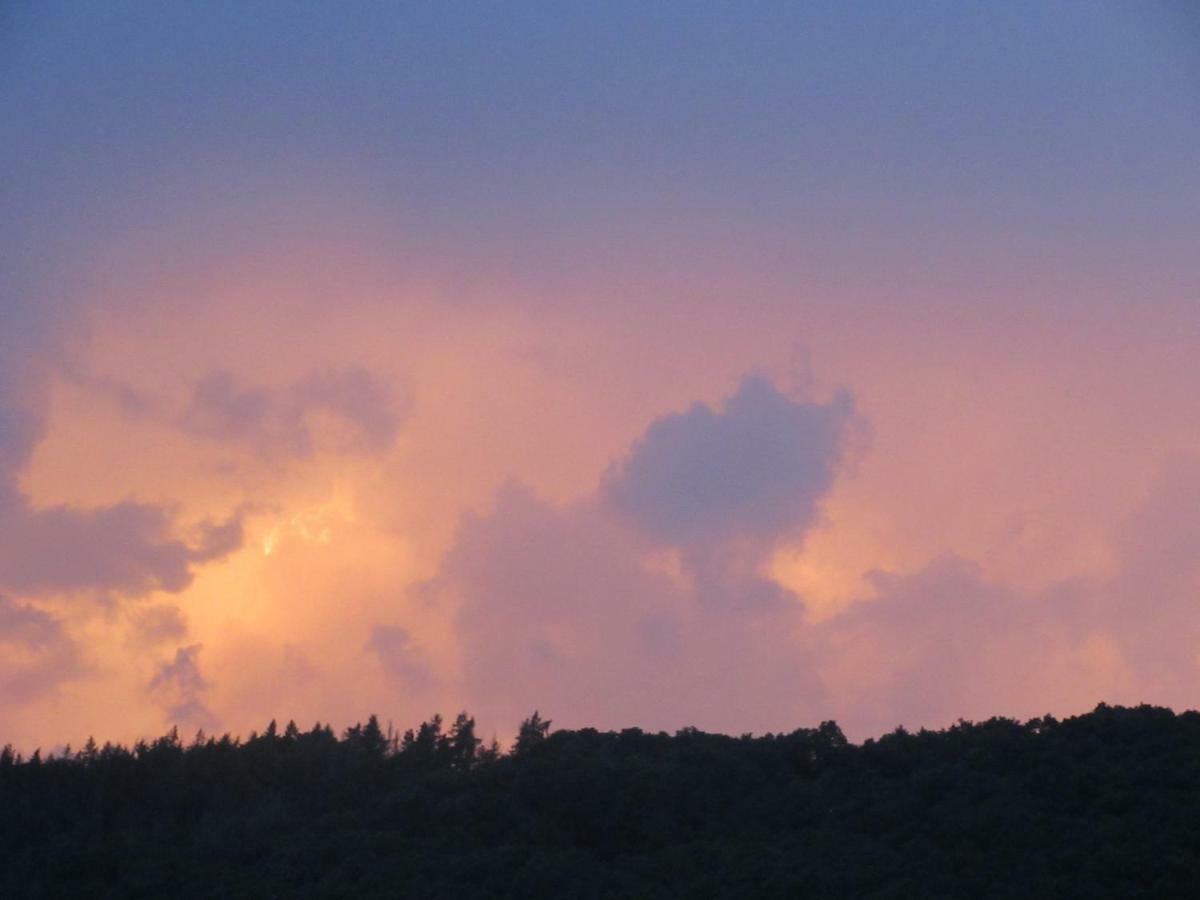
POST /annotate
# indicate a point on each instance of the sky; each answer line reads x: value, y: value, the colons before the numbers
x: 730, y: 365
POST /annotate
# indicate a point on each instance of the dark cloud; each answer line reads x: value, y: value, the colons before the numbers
x: 28, y: 625
x: 755, y: 469
x: 358, y: 397
x: 128, y: 548
x: 214, y: 540
x: 36, y: 654
x: 220, y: 408
x: 179, y: 687
x: 725, y: 485
x: 275, y: 421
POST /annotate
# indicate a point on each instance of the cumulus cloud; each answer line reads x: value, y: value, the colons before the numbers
x: 755, y: 469
x: 179, y: 687
x: 725, y: 485
x: 276, y: 421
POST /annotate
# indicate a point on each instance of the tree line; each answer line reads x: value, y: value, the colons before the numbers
x: 1099, y: 805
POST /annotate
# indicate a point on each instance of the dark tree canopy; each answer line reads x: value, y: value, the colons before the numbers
x: 1100, y: 805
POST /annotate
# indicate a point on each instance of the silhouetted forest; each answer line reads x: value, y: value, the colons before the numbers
x: 1101, y: 805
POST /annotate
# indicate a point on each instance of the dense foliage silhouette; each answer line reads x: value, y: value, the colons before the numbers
x: 1101, y: 805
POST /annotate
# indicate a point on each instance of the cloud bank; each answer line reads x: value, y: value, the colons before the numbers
x: 647, y: 600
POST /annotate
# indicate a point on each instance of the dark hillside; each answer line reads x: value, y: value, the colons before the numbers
x: 1101, y: 805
